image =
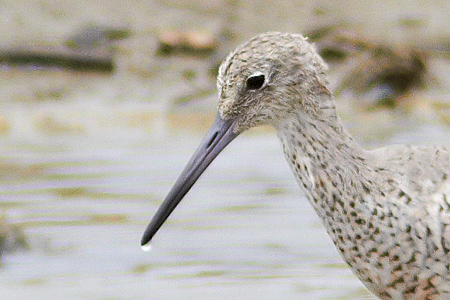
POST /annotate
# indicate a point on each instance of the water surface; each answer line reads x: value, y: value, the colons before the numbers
x: 244, y: 231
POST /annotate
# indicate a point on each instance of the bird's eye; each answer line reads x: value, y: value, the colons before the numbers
x: 255, y: 82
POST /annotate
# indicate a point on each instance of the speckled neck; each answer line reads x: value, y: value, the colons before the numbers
x: 332, y: 169
x: 324, y: 157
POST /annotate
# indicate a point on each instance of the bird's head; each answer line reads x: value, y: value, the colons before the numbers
x: 264, y: 81
x: 268, y: 78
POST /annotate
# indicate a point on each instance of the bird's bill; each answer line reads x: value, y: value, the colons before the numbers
x: 218, y: 137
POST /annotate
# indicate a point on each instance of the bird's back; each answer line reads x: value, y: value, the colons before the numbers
x: 412, y: 248
x: 420, y: 171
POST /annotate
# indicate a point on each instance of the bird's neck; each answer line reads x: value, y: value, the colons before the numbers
x: 328, y: 163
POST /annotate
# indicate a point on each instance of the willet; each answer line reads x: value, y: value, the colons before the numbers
x: 386, y: 210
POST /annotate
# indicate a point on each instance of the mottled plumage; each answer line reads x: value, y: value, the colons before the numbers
x: 386, y: 210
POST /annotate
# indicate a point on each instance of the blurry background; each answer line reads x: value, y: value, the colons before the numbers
x: 103, y: 102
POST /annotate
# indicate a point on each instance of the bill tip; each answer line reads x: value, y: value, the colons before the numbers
x: 146, y: 247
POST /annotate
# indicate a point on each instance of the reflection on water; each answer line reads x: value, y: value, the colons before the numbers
x: 244, y: 231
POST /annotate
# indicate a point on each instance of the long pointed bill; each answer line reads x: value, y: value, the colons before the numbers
x: 218, y: 137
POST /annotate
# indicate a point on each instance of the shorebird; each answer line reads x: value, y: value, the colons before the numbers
x: 387, y: 210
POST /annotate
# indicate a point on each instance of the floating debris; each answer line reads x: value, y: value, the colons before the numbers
x: 385, y: 74
x: 88, y: 49
x: 194, y: 43
x: 336, y: 43
x: 12, y: 238
x: 95, y: 36
x: 58, y: 56
x: 377, y: 73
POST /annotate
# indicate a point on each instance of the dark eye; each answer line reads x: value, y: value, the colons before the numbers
x: 255, y: 82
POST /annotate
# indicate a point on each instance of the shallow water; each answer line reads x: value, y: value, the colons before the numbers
x: 86, y: 160
x: 245, y: 231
